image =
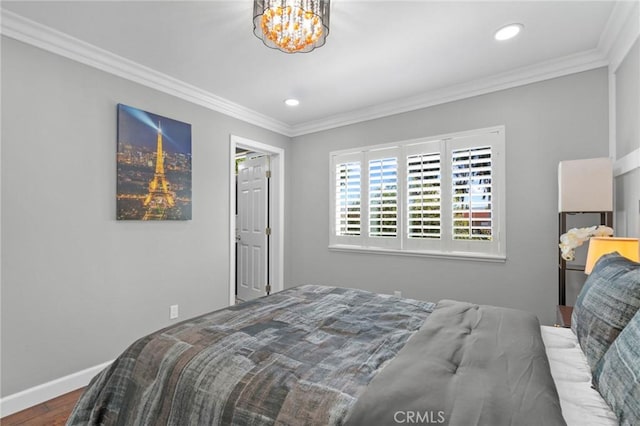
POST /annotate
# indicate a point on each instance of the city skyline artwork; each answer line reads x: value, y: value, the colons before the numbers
x: 153, y: 166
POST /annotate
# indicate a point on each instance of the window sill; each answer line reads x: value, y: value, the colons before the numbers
x: 478, y: 257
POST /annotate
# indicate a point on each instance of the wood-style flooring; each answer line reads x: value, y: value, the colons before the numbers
x: 54, y: 412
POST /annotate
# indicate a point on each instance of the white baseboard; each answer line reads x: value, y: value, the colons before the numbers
x: 46, y: 391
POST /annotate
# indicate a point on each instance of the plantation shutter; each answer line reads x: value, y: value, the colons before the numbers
x: 348, y: 203
x: 471, y: 178
x: 383, y: 198
x: 474, y: 213
x: 423, y: 195
x: 436, y: 196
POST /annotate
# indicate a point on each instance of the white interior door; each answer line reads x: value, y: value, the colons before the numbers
x: 252, y: 228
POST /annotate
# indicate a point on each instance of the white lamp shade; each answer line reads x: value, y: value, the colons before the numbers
x: 585, y: 185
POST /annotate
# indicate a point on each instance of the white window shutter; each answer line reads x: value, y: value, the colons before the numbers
x: 435, y: 196
x: 424, y: 194
x: 471, y: 179
x: 383, y: 196
x: 348, y: 199
x: 477, y: 217
x: 423, y: 199
x: 347, y: 202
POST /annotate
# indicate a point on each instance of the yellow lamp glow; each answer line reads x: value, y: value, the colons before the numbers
x: 599, y: 246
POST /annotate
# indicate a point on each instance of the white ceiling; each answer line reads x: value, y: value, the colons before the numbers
x: 378, y: 53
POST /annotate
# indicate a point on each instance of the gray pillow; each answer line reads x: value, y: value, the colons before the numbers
x: 617, y: 375
x: 607, y: 302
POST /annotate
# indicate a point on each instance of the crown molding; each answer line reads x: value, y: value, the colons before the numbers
x: 620, y: 32
x: 46, y: 38
x: 41, y: 36
x: 542, y: 71
x: 627, y: 163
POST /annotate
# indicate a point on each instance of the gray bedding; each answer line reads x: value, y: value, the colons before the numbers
x: 317, y: 355
x: 468, y: 365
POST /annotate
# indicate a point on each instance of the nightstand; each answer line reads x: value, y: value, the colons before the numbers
x: 564, y: 316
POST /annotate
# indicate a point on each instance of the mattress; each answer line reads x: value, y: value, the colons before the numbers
x: 581, y: 404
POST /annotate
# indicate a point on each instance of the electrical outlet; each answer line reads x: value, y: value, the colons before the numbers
x: 397, y: 293
x: 173, y: 311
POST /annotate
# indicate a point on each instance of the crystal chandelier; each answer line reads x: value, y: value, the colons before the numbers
x: 291, y: 25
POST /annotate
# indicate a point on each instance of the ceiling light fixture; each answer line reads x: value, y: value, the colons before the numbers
x: 291, y: 25
x: 292, y: 102
x: 508, y: 32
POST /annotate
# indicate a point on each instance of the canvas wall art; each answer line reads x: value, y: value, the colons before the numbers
x: 154, y: 166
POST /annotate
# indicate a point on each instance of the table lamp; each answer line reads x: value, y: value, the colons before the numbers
x: 599, y: 246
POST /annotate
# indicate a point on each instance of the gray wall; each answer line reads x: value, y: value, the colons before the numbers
x: 627, y: 141
x: 628, y: 204
x: 77, y: 286
x: 628, y: 103
x: 559, y: 119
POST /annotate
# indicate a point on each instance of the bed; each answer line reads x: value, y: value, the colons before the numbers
x: 320, y: 355
x: 581, y: 404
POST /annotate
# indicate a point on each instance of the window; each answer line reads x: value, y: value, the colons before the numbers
x: 423, y: 196
x: 383, y: 197
x: 434, y: 196
x: 471, y: 204
x: 348, y: 199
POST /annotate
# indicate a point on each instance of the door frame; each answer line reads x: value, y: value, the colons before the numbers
x: 276, y: 212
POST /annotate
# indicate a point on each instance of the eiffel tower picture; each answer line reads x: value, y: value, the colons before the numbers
x: 159, y: 198
x: 154, y: 167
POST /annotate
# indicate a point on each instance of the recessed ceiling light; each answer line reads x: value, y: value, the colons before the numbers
x: 507, y: 32
x: 292, y: 102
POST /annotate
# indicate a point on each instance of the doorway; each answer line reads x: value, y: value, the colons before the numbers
x: 256, y: 212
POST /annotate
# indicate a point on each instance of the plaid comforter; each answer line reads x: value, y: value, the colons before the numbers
x: 301, y: 356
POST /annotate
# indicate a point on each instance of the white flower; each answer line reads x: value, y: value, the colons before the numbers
x: 576, y: 236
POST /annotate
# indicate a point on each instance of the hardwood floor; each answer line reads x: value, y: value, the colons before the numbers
x: 54, y: 412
